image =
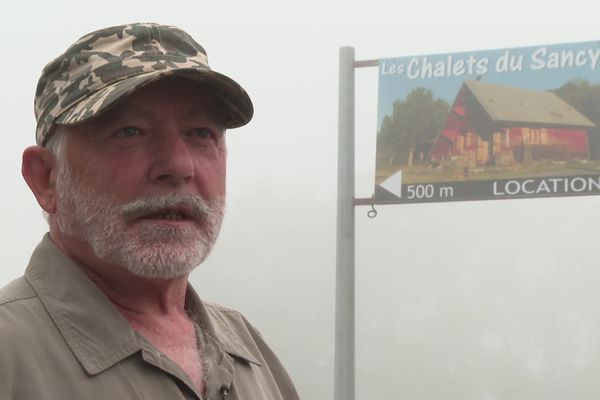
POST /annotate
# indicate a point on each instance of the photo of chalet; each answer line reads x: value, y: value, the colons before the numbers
x: 490, y: 124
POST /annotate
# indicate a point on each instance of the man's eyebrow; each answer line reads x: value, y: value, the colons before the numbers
x: 210, y: 111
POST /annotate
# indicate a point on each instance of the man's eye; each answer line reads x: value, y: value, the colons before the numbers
x: 202, y: 133
x: 128, y: 132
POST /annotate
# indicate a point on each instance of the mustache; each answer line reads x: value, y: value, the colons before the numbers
x: 194, y: 206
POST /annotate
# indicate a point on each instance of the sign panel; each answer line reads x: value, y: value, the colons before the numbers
x: 494, y: 124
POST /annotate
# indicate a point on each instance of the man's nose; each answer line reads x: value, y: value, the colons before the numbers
x: 173, y: 164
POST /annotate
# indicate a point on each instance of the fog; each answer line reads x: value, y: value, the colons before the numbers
x: 465, y: 300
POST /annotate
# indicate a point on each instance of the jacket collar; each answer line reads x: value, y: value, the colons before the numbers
x: 92, y: 327
x: 211, y: 325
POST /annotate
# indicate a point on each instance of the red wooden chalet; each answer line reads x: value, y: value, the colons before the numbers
x: 505, y: 125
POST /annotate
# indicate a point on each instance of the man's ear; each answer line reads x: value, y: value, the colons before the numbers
x: 39, y: 169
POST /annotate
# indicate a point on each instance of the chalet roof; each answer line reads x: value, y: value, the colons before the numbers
x: 513, y: 104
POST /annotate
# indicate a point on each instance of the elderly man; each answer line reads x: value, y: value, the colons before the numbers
x: 130, y: 168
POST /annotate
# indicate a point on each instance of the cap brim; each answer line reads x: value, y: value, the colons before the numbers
x: 239, y: 109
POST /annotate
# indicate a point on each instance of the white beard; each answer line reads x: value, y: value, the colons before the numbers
x: 143, y: 248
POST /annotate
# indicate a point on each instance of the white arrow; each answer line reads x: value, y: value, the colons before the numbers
x: 393, y: 184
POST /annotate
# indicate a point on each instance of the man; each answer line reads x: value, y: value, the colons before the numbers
x: 130, y: 168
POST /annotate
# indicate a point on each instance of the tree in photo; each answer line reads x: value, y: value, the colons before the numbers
x: 585, y: 98
x: 405, y: 137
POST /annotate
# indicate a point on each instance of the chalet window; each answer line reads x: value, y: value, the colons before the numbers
x: 543, y: 136
x: 526, y: 135
x: 460, y: 143
x: 535, y: 136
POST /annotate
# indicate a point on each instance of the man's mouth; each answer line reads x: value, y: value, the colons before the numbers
x: 170, y: 215
x: 172, y: 208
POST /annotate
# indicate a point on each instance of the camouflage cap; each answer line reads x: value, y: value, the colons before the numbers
x: 106, y: 65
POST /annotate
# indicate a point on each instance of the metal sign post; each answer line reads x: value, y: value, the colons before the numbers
x: 344, y: 295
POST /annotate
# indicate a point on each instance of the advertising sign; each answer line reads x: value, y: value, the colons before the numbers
x: 486, y: 125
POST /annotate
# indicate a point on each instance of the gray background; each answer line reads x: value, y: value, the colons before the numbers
x: 476, y: 300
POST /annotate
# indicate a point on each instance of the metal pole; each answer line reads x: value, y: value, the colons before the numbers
x: 344, y: 294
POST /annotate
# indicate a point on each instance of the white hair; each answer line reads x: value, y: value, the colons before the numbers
x: 57, y: 143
